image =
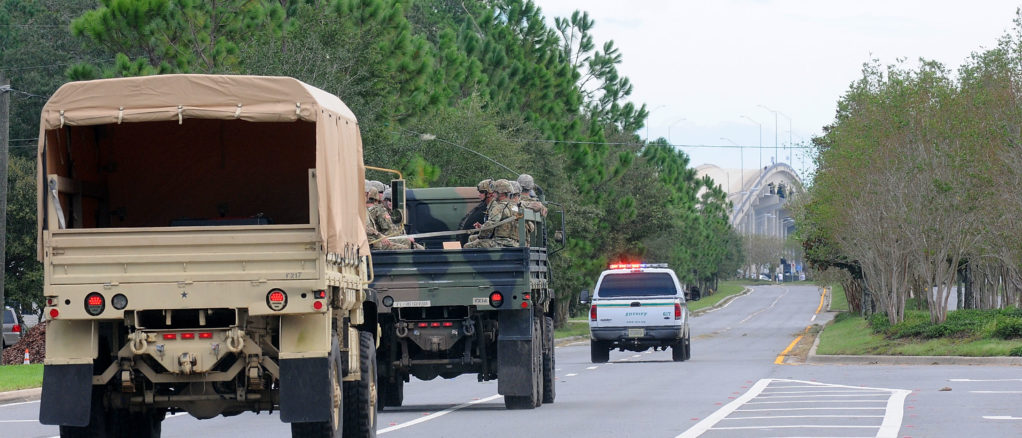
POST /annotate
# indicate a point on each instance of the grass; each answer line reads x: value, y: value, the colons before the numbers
x: 14, y: 377
x: 727, y: 289
x: 573, y: 327
x: 838, y: 301
x: 850, y: 334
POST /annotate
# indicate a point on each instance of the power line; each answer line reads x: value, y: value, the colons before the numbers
x: 610, y: 143
x: 32, y: 67
x: 7, y: 88
x: 430, y: 137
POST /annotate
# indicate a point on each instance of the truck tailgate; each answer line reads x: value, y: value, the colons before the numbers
x: 222, y: 253
x: 635, y: 312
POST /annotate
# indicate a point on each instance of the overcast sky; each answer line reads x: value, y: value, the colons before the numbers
x: 700, y: 65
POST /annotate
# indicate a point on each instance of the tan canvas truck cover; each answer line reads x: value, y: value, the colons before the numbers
x: 199, y: 99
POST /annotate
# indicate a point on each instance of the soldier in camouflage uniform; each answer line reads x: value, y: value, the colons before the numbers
x: 491, y: 234
x: 518, y: 203
x: 476, y: 217
x: 386, y: 212
x: 529, y: 200
x: 379, y: 225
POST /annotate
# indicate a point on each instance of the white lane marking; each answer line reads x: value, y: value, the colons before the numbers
x: 708, y: 422
x: 995, y: 392
x: 18, y: 404
x: 795, y: 426
x: 892, y: 418
x: 813, y: 318
x: 770, y: 417
x: 714, y: 309
x: 839, y: 408
x: 984, y: 380
x: 764, y: 309
x: 824, y: 395
x: 570, y: 375
x: 815, y: 401
x: 1000, y: 417
x: 851, y: 391
x: 591, y: 368
x: 19, y: 421
x: 436, y: 415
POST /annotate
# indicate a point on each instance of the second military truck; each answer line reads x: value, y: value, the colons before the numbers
x: 447, y: 312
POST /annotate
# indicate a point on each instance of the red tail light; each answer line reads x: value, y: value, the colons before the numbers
x: 94, y: 304
x: 54, y: 313
x: 592, y: 313
x: 187, y: 335
x: 677, y: 310
x: 434, y: 324
x: 496, y: 299
x: 17, y: 328
x: 422, y: 325
x: 169, y: 336
x: 205, y: 335
x: 448, y: 324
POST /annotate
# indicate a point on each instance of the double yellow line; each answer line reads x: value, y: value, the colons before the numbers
x: 780, y: 357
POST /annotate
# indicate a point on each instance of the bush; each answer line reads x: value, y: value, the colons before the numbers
x: 1017, y: 351
x: 879, y: 323
x: 1008, y: 328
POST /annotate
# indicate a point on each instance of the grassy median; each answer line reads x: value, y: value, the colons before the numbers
x: 973, y: 333
x: 14, y: 377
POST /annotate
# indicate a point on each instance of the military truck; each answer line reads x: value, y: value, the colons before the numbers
x: 204, y: 250
x: 446, y: 311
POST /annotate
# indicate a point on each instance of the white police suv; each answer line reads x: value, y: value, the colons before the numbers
x: 636, y: 306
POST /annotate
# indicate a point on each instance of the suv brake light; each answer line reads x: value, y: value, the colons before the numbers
x: 677, y: 310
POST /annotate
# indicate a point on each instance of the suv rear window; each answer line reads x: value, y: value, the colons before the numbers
x: 8, y: 316
x: 637, y: 284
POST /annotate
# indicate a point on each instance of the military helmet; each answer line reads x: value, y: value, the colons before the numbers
x: 367, y: 185
x: 516, y: 189
x: 373, y: 194
x: 379, y: 186
x: 502, y: 186
x: 485, y: 185
x: 526, y: 181
x: 387, y: 194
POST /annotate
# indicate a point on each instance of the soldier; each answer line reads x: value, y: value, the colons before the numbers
x: 477, y: 215
x: 396, y: 227
x: 493, y: 235
x: 388, y: 203
x: 518, y: 203
x: 379, y: 226
x: 529, y: 199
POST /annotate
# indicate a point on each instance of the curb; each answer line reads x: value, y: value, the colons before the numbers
x: 21, y: 395
x: 844, y: 359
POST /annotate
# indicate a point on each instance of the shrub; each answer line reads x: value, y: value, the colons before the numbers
x: 1008, y: 328
x: 1017, y: 351
x: 879, y: 323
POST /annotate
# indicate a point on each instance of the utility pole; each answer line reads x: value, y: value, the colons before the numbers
x: 5, y: 112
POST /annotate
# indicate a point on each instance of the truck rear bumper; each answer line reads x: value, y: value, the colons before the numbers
x: 652, y: 336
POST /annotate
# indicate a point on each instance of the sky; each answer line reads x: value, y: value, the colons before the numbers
x: 701, y: 65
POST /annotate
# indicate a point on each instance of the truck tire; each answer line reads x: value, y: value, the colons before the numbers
x: 331, y: 428
x: 681, y: 350
x: 360, y: 396
x: 147, y: 424
x: 392, y: 394
x: 599, y: 352
x: 548, y: 361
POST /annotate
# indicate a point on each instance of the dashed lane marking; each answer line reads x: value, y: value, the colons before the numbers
x: 1000, y: 417
x: 591, y: 368
x: 570, y: 375
x: 436, y: 415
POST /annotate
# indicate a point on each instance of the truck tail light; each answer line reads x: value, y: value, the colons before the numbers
x: 422, y: 325
x: 276, y: 299
x: 205, y: 335
x: 94, y: 304
x: 54, y: 313
x: 592, y: 312
x: 169, y: 336
x: 448, y: 324
x: 677, y: 310
x: 496, y: 299
x: 187, y: 335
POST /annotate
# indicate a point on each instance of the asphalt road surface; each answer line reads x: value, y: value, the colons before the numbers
x: 731, y: 387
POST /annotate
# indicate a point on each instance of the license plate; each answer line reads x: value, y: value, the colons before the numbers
x: 411, y: 304
x: 636, y: 333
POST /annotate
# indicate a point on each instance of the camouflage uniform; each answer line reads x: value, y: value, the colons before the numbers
x: 529, y: 201
x: 493, y: 235
x: 379, y: 225
x: 478, y: 213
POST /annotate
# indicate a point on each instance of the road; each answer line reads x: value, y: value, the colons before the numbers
x: 731, y: 388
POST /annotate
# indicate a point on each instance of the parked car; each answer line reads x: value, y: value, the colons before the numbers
x: 12, y: 330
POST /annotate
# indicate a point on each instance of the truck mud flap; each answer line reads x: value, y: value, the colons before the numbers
x: 305, y: 390
x: 67, y: 395
x: 515, y: 353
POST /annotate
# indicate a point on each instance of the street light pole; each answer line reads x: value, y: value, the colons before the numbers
x: 777, y: 157
x: 741, y: 152
x: 760, y: 138
x: 649, y: 117
x: 669, y: 129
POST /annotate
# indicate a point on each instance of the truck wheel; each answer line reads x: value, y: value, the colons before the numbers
x: 548, y: 361
x: 681, y: 350
x: 599, y: 351
x: 360, y: 396
x: 391, y: 394
x: 146, y: 424
x: 688, y: 348
x: 331, y: 428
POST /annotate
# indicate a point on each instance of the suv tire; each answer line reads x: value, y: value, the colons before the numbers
x: 599, y: 351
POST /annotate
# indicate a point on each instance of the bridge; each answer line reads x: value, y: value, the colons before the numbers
x: 759, y: 196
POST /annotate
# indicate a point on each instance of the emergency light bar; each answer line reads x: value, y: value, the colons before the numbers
x: 637, y: 265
